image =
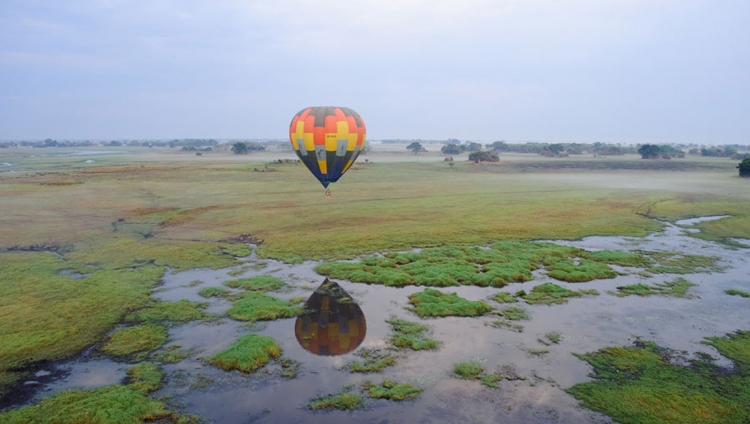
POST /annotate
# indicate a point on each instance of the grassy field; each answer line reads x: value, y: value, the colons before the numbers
x: 97, y: 236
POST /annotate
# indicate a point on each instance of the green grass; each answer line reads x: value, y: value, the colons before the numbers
x: 145, y: 377
x: 550, y: 293
x: 289, y: 367
x: 391, y: 390
x: 474, y: 371
x: 135, y: 342
x: 343, y: 400
x: 261, y: 307
x: 434, y: 303
x: 374, y: 360
x: 214, y: 291
x: 107, y: 405
x: 127, y: 217
x: 675, y: 263
x: 504, y: 297
x: 583, y: 271
x: 514, y: 313
x: 180, y: 311
x: 261, y: 283
x: 619, y: 257
x: 640, y: 384
x: 171, y: 355
x: 676, y: 288
x: 733, y: 292
x: 248, y: 354
x: 502, y: 263
x: 411, y: 335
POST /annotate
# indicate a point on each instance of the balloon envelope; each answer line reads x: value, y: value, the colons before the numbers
x: 327, y: 140
x: 332, y: 323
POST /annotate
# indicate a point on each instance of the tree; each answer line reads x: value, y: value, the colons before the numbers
x: 450, y: 149
x: 477, y: 157
x: 473, y: 147
x: 744, y: 168
x: 650, y: 151
x: 415, y: 147
x: 239, y: 148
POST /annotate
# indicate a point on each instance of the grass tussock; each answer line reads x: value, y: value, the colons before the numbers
x: 260, y: 307
x: 474, y: 371
x: 374, y: 360
x: 259, y: 283
x: 343, y: 401
x: 434, y: 303
x: 180, y: 311
x: 135, y: 342
x: 676, y: 288
x: 145, y: 377
x: 171, y: 354
x: 641, y: 384
x: 550, y: 293
x: 214, y: 291
x: 391, y: 390
x: 733, y: 292
x: 289, y: 367
x: 411, y: 335
x: 676, y: 263
x: 248, y: 354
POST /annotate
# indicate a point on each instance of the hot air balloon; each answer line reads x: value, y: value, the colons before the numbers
x: 332, y: 323
x: 328, y: 140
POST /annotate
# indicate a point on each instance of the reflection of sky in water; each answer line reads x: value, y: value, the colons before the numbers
x: 85, y: 375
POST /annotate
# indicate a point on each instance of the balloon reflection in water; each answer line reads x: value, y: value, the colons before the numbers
x: 332, y: 323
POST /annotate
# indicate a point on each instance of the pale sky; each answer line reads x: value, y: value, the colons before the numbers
x: 625, y: 71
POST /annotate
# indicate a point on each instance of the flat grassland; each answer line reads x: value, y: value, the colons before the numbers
x: 82, y: 243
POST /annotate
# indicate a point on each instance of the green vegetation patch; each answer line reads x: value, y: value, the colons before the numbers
x: 261, y: 307
x: 411, y: 335
x: 641, y: 384
x: 434, y: 303
x: 677, y: 263
x: 248, y: 354
x: 514, y: 313
x: 261, y: 283
x: 180, y: 311
x: 734, y: 292
x: 504, y: 297
x: 112, y: 404
x: 503, y: 263
x: 171, y: 355
x: 581, y: 271
x: 145, y: 377
x: 619, y: 257
x: 474, y: 371
x: 391, y: 390
x: 214, y: 291
x: 343, y: 400
x: 289, y: 367
x: 135, y: 342
x: 676, y: 288
x: 375, y: 360
x: 550, y: 293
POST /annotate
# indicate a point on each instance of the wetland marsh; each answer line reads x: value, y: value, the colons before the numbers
x: 170, y: 245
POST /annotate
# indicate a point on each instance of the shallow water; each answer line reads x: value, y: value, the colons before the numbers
x: 587, y: 324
